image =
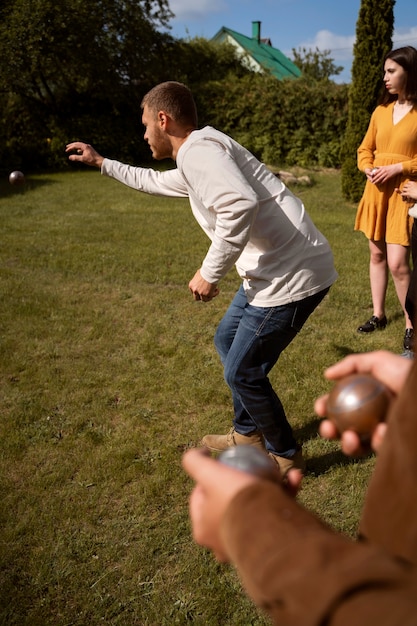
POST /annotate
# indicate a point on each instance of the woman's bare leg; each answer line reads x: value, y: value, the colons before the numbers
x: 378, y: 275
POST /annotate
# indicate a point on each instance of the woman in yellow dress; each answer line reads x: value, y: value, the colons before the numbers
x: 388, y: 157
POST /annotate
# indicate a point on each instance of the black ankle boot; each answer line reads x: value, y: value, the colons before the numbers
x: 374, y: 323
x: 408, y: 339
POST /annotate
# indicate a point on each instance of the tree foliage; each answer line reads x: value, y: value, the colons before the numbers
x: 72, y: 46
x: 315, y: 64
x: 374, y: 30
x: 196, y: 61
x: 294, y: 122
x: 62, y: 60
x: 78, y: 70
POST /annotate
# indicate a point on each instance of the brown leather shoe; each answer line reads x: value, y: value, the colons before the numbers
x: 285, y: 464
x: 217, y: 443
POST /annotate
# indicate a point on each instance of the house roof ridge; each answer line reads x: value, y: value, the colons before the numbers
x: 265, y: 55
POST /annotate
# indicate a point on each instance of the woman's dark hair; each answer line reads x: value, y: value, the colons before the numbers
x: 407, y: 58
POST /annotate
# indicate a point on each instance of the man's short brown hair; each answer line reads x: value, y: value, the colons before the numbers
x: 175, y: 99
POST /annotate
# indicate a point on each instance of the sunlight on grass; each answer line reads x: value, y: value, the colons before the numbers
x: 108, y: 373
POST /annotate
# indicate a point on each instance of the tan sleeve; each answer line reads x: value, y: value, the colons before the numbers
x: 389, y: 518
x: 301, y: 572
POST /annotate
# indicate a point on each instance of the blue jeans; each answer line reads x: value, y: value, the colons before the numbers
x: 249, y: 341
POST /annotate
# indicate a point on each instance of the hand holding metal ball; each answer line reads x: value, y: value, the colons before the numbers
x: 358, y: 402
x: 251, y: 460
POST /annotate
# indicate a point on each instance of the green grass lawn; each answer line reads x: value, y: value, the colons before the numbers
x: 108, y: 373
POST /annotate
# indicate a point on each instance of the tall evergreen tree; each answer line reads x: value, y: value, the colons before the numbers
x: 374, y: 30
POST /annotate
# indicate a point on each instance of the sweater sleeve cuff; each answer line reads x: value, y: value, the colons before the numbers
x: 105, y: 167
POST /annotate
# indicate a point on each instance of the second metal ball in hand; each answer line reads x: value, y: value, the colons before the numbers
x: 251, y: 460
x: 358, y: 402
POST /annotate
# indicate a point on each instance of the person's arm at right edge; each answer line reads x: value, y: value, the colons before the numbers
x: 301, y: 572
x: 291, y: 564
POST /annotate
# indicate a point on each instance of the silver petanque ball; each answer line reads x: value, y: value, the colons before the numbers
x: 16, y: 178
x: 251, y: 460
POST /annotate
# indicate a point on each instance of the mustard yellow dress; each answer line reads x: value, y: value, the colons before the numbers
x: 382, y: 214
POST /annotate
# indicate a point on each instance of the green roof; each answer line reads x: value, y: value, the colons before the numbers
x: 269, y: 58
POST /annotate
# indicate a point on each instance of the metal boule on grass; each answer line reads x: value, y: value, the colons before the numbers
x: 251, y: 460
x: 358, y: 402
x: 16, y: 178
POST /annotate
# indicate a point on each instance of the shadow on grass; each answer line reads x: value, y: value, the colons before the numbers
x: 6, y: 189
x: 321, y: 464
x: 308, y: 431
x: 343, y: 351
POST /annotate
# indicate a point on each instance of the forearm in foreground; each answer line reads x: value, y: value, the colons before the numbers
x: 302, y: 573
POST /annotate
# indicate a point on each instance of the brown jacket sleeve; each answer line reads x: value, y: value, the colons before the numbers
x: 389, y: 518
x: 304, y: 574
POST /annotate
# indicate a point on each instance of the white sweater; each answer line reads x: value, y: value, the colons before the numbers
x: 251, y: 217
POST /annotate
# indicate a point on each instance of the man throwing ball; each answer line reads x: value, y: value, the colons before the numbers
x: 254, y: 223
